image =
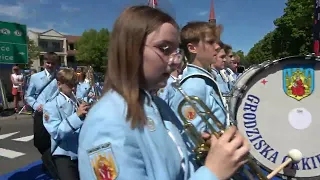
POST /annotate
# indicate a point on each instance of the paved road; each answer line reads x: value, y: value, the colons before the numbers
x: 16, y: 143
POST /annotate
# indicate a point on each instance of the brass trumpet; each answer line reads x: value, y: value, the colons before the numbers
x: 201, y: 148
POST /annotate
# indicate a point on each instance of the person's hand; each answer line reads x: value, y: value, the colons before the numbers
x: 39, y: 108
x: 227, y: 154
x: 83, y: 109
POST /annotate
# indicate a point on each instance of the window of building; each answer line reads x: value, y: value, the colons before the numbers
x: 41, y: 60
x: 56, y: 46
x: 71, y: 46
x: 43, y: 45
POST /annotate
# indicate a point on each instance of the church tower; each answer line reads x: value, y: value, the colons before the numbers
x: 212, y: 16
x: 152, y: 3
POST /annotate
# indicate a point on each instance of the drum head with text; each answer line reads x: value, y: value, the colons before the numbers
x: 277, y: 107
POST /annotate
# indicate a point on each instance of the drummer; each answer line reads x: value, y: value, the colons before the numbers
x: 124, y: 136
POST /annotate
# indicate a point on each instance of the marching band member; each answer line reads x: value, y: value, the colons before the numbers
x: 41, y: 87
x: 235, y: 66
x: 199, y: 41
x: 82, y: 86
x: 124, y: 136
x: 93, y: 92
x: 167, y: 92
x: 231, y: 66
x: 63, y: 118
x: 217, y: 67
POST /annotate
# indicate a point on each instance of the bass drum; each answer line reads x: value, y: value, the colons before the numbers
x: 276, y: 106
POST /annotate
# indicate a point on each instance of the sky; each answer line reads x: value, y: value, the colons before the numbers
x: 245, y: 22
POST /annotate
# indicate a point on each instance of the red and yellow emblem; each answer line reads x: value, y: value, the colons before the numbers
x: 46, y: 116
x: 189, y: 113
x: 104, y: 166
x: 298, y: 81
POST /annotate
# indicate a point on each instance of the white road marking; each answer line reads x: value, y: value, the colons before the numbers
x: 3, y: 136
x: 10, y: 154
x: 24, y: 139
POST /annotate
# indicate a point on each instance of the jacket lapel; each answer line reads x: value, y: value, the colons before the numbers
x: 65, y: 107
x: 216, y: 91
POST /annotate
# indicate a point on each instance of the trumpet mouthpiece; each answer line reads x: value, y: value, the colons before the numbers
x: 295, y: 155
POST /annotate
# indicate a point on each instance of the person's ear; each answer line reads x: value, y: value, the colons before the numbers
x: 192, y: 48
x: 59, y: 85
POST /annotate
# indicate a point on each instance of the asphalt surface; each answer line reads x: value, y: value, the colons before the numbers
x: 16, y: 143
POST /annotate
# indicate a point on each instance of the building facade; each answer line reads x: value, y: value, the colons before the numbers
x: 71, y: 50
x: 53, y: 41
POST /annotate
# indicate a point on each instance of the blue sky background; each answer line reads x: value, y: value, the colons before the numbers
x: 245, y: 21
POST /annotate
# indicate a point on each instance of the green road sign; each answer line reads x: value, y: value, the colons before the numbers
x: 13, y: 43
x: 13, y: 53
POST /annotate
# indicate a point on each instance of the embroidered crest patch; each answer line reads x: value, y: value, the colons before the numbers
x: 46, y: 116
x: 103, y: 162
x: 189, y: 113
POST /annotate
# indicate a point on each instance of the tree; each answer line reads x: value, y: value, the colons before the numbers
x: 292, y: 35
x: 33, y: 51
x: 261, y: 51
x: 92, y: 48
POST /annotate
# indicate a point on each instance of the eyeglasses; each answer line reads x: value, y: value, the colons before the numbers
x: 175, y: 55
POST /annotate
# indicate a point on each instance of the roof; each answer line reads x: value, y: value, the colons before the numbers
x: 72, y: 39
x: 53, y: 31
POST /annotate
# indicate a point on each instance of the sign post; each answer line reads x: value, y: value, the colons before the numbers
x: 13, y: 43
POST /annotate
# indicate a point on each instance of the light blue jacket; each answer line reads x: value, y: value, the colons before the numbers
x: 223, y: 85
x: 37, y: 81
x: 198, y: 82
x: 167, y: 92
x: 109, y: 147
x: 63, y: 125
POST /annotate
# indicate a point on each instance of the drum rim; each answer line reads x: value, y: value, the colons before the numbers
x: 259, y: 68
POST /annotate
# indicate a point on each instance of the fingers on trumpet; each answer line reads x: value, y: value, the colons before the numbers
x: 294, y: 155
x: 227, y: 154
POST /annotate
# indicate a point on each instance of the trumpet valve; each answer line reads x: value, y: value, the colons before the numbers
x: 201, y: 153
